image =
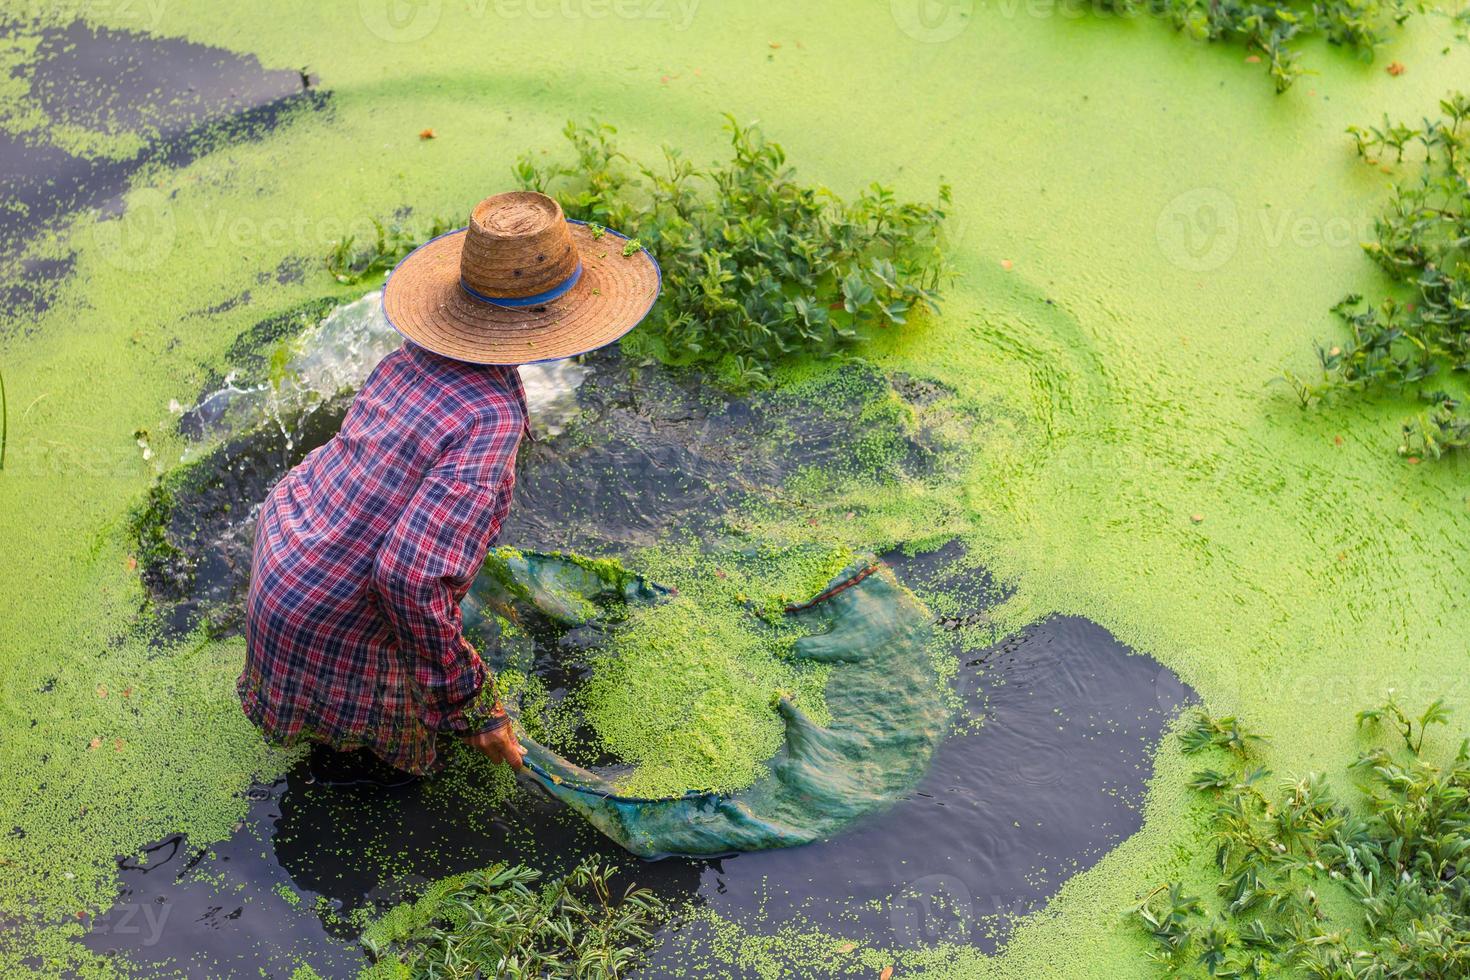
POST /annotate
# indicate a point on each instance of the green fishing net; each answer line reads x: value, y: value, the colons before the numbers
x: 870, y: 638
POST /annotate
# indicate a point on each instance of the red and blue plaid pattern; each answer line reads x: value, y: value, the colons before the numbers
x: 363, y: 553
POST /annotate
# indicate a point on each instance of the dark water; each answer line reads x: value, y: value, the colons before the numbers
x: 181, y: 98
x: 653, y: 451
x: 1045, y: 773
x: 1050, y: 781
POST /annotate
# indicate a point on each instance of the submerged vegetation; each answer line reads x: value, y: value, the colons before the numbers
x: 1313, y: 885
x: 756, y: 265
x: 1423, y: 243
x: 496, y: 924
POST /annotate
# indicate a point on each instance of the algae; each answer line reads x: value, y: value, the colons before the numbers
x: 721, y: 743
x: 1109, y: 343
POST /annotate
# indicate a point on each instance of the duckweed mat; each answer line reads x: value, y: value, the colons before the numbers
x: 1141, y: 242
x: 882, y: 697
x: 1058, y: 720
x: 89, y: 106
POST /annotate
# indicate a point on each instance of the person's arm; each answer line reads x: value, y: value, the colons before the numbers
x: 423, y: 567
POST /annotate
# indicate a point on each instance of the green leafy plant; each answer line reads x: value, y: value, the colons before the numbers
x: 495, y: 923
x: 1435, y: 714
x: 1223, y: 733
x: 351, y: 264
x: 1310, y: 886
x: 1273, y: 29
x: 1422, y: 241
x: 757, y: 267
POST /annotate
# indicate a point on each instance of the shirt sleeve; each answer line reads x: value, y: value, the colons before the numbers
x: 423, y: 569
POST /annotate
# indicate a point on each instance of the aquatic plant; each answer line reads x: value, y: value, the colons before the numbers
x: 1310, y: 885
x: 350, y: 264
x: 1423, y: 242
x: 1274, y: 29
x: 493, y: 923
x: 757, y: 267
x: 1435, y: 714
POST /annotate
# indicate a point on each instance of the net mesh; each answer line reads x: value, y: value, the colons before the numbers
x: 883, y: 694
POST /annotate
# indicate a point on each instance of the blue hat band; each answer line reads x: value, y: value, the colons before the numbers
x: 556, y: 292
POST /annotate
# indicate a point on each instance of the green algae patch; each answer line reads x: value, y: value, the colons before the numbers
x: 1115, y: 369
x: 685, y: 699
x: 686, y: 687
x: 686, y: 694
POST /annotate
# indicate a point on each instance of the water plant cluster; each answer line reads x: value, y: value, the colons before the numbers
x: 1422, y: 241
x: 497, y: 923
x: 1309, y: 884
x: 757, y: 266
x: 1274, y: 30
x: 351, y: 262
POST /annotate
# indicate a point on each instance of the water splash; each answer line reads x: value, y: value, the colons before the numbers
x: 330, y: 361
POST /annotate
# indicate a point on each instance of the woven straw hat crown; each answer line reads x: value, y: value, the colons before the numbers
x: 517, y: 245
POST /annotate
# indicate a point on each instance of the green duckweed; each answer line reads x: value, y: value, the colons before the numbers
x: 1112, y: 372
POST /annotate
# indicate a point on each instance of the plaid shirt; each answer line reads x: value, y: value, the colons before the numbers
x: 363, y: 553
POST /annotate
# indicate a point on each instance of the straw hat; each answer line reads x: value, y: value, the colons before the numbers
x: 521, y: 284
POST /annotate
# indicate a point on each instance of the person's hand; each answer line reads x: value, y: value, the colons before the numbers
x: 499, y: 745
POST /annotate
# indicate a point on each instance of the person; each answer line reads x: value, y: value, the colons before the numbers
x: 363, y: 551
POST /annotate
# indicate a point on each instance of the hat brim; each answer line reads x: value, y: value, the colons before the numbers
x: 424, y: 301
